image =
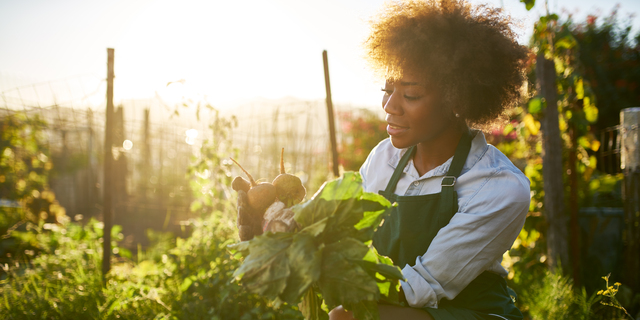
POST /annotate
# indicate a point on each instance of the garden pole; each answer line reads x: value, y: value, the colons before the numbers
x: 630, y: 165
x: 573, y: 205
x: 108, y: 170
x: 552, y: 173
x: 332, y: 128
x: 146, y: 157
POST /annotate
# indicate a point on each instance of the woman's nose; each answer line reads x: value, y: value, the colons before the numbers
x: 391, y: 105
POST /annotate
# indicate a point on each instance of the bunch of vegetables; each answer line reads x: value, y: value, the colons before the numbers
x: 328, y: 259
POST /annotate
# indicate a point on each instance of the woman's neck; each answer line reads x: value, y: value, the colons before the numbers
x: 434, y: 152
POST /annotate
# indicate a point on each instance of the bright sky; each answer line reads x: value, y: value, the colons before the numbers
x: 228, y: 51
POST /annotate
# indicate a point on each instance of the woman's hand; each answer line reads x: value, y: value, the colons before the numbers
x: 339, y: 313
x: 387, y: 312
x: 251, y: 222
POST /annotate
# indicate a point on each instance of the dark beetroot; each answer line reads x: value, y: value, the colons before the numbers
x: 260, y: 195
x: 289, y: 188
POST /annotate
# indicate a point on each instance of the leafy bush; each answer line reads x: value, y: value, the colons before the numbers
x: 177, y: 278
x: 555, y: 298
x: 360, y: 132
x: 64, y: 281
x: 24, y: 181
x: 193, y: 280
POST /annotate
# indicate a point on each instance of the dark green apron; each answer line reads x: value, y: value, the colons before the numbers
x: 411, y: 226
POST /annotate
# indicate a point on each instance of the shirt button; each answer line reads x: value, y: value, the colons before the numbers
x: 416, y: 183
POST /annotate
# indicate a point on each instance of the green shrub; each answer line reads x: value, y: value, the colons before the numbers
x: 63, y: 281
x: 192, y: 280
x: 554, y: 298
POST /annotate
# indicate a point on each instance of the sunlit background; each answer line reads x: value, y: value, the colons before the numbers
x: 200, y: 82
x: 226, y: 52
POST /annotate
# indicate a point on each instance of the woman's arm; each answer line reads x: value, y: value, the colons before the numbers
x: 387, y: 312
x: 487, y: 223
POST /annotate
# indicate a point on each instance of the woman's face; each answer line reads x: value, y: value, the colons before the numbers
x: 414, y: 111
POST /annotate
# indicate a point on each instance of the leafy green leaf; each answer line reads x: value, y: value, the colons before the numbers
x: 347, y: 187
x: 342, y: 281
x: 579, y: 87
x: 338, y: 207
x: 305, y: 261
x: 364, y: 310
x: 186, y: 284
x: 566, y: 42
x: 310, y: 306
x: 375, y: 207
x: 266, y: 268
x: 329, y: 258
x: 328, y: 199
x: 240, y: 246
x: 528, y: 3
x: 387, y: 271
x: 341, y: 223
x: 590, y: 110
x: 316, y: 228
x: 535, y: 105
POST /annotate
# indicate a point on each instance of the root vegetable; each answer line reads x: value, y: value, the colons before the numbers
x: 289, y: 188
x: 260, y: 195
x: 240, y: 183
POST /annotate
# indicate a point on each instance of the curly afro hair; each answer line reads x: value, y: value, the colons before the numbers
x: 469, y: 52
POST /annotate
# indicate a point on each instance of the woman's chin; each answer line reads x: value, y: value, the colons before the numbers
x: 399, y: 143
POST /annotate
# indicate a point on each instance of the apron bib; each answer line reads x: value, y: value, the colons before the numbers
x: 410, y: 227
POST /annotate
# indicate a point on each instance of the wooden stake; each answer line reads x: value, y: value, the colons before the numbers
x: 630, y: 161
x: 108, y: 171
x: 574, y: 229
x: 557, y: 239
x: 332, y: 129
x: 146, y: 158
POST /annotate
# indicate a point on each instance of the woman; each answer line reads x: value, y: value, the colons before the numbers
x: 461, y: 203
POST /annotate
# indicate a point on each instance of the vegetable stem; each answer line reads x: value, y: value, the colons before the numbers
x: 251, y: 180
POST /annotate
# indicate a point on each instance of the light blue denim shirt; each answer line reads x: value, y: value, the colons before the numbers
x: 493, y: 201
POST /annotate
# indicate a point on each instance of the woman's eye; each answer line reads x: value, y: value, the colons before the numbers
x: 387, y: 91
x: 411, y: 98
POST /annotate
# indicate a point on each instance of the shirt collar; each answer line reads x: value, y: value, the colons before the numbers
x: 478, y: 148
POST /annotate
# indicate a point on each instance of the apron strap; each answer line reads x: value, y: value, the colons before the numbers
x: 459, y: 158
x: 447, y: 195
x: 391, y: 186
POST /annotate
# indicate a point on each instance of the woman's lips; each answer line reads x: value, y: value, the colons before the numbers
x: 393, y: 129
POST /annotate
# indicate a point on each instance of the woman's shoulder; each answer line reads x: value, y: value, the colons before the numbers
x: 494, y: 187
x: 496, y: 174
x: 488, y: 169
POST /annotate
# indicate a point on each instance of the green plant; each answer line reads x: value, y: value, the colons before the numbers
x: 330, y: 260
x: 176, y: 278
x: 360, y: 131
x: 611, y: 56
x: 609, y: 296
x: 64, y: 280
x: 554, y: 297
x: 209, y: 173
x: 25, y: 165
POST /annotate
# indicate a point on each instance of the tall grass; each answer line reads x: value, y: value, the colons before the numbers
x: 192, y: 280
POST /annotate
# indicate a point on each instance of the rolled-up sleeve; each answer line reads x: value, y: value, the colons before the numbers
x: 486, y: 225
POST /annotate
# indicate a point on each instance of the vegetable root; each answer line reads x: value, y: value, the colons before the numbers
x: 289, y: 188
x: 260, y: 195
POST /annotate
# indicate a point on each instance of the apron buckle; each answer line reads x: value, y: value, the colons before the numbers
x: 445, y: 184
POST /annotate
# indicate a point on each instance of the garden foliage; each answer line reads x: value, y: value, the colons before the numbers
x: 25, y: 166
x: 360, y: 131
x: 330, y: 259
x: 176, y: 278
